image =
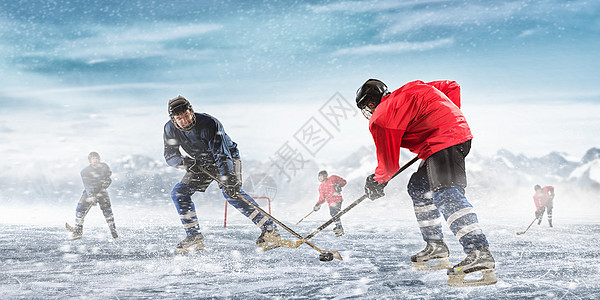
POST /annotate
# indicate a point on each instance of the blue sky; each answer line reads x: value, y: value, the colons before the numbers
x: 95, y: 56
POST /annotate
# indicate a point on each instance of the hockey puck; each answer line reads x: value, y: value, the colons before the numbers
x: 326, y: 256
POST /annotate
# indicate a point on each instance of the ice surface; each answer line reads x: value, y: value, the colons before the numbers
x: 40, y: 262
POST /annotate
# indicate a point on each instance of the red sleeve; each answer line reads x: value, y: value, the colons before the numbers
x: 387, y: 142
x: 449, y: 88
x: 321, y: 194
x: 339, y: 180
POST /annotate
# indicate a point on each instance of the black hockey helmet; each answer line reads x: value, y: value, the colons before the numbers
x: 179, y: 105
x: 537, y: 187
x: 92, y: 155
x: 369, y: 95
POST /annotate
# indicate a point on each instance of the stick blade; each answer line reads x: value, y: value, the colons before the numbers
x: 69, y: 227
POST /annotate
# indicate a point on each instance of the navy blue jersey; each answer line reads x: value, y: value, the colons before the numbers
x: 207, y: 142
x: 95, y: 179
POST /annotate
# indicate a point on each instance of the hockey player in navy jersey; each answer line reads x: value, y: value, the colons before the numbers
x: 209, y: 148
x: 96, y: 179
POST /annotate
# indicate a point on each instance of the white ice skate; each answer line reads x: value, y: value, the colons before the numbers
x: 77, y: 231
x: 433, y: 257
x: 338, y: 230
x: 478, y: 260
x: 194, y: 240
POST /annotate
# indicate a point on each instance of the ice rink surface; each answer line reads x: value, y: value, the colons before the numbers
x: 40, y: 262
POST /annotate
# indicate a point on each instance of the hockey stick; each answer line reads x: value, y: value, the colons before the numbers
x: 312, y: 211
x: 286, y: 244
x: 522, y: 232
x: 355, y: 203
x: 334, y: 194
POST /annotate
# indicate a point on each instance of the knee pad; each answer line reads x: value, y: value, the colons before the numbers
x: 418, y: 185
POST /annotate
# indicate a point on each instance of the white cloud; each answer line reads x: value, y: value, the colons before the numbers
x: 396, y: 47
x: 367, y: 6
x: 110, y: 43
x: 528, y: 32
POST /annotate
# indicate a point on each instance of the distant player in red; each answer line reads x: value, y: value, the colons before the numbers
x: 330, y: 190
x: 425, y: 118
x: 543, y: 199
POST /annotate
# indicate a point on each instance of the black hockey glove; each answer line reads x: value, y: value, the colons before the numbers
x: 189, y: 164
x: 106, y: 183
x: 317, y: 207
x: 232, y: 186
x: 373, y: 188
x: 338, y: 188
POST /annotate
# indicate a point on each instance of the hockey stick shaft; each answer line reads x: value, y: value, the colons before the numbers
x: 522, y: 232
x: 355, y: 203
x: 305, y: 217
x: 335, y: 253
x: 334, y: 194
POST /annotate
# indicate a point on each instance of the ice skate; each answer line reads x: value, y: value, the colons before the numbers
x: 114, y: 234
x: 270, y: 238
x: 185, y: 244
x: 338, y: 230
x: 433, y: 257
x: 550, y: 223
x: 77, y: 232
x: 478, y: 260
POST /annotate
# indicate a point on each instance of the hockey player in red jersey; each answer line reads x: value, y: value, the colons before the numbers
x: 426, y: 119
x: 330, y: 191
x: 543, y: 200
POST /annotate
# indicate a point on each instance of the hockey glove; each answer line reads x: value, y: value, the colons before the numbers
x: 317, y: 207
x: 189, y: 164
x: 232, y: 186
x: 373, y: 188
x: 106, y: 183
x: 338, y: 188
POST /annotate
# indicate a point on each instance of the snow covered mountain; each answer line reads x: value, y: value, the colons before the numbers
x: 145, y: 179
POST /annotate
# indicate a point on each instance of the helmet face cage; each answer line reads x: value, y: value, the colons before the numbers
x: 369, y: 95
x: 178, y: 106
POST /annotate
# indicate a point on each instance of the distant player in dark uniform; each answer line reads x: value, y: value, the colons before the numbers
x: 544, y: 201
x: 330, y: 191
x: 96, y: 179
x: 204, y: 139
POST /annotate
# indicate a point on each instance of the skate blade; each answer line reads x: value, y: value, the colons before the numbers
x: 488, y: 277
x: 199, y: 246
x: 431, y: 265
x: 74, y: 238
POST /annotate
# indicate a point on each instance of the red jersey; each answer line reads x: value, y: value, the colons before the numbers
x: 327, y: 190
x: 422, y: 117
x: 542, y: 198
